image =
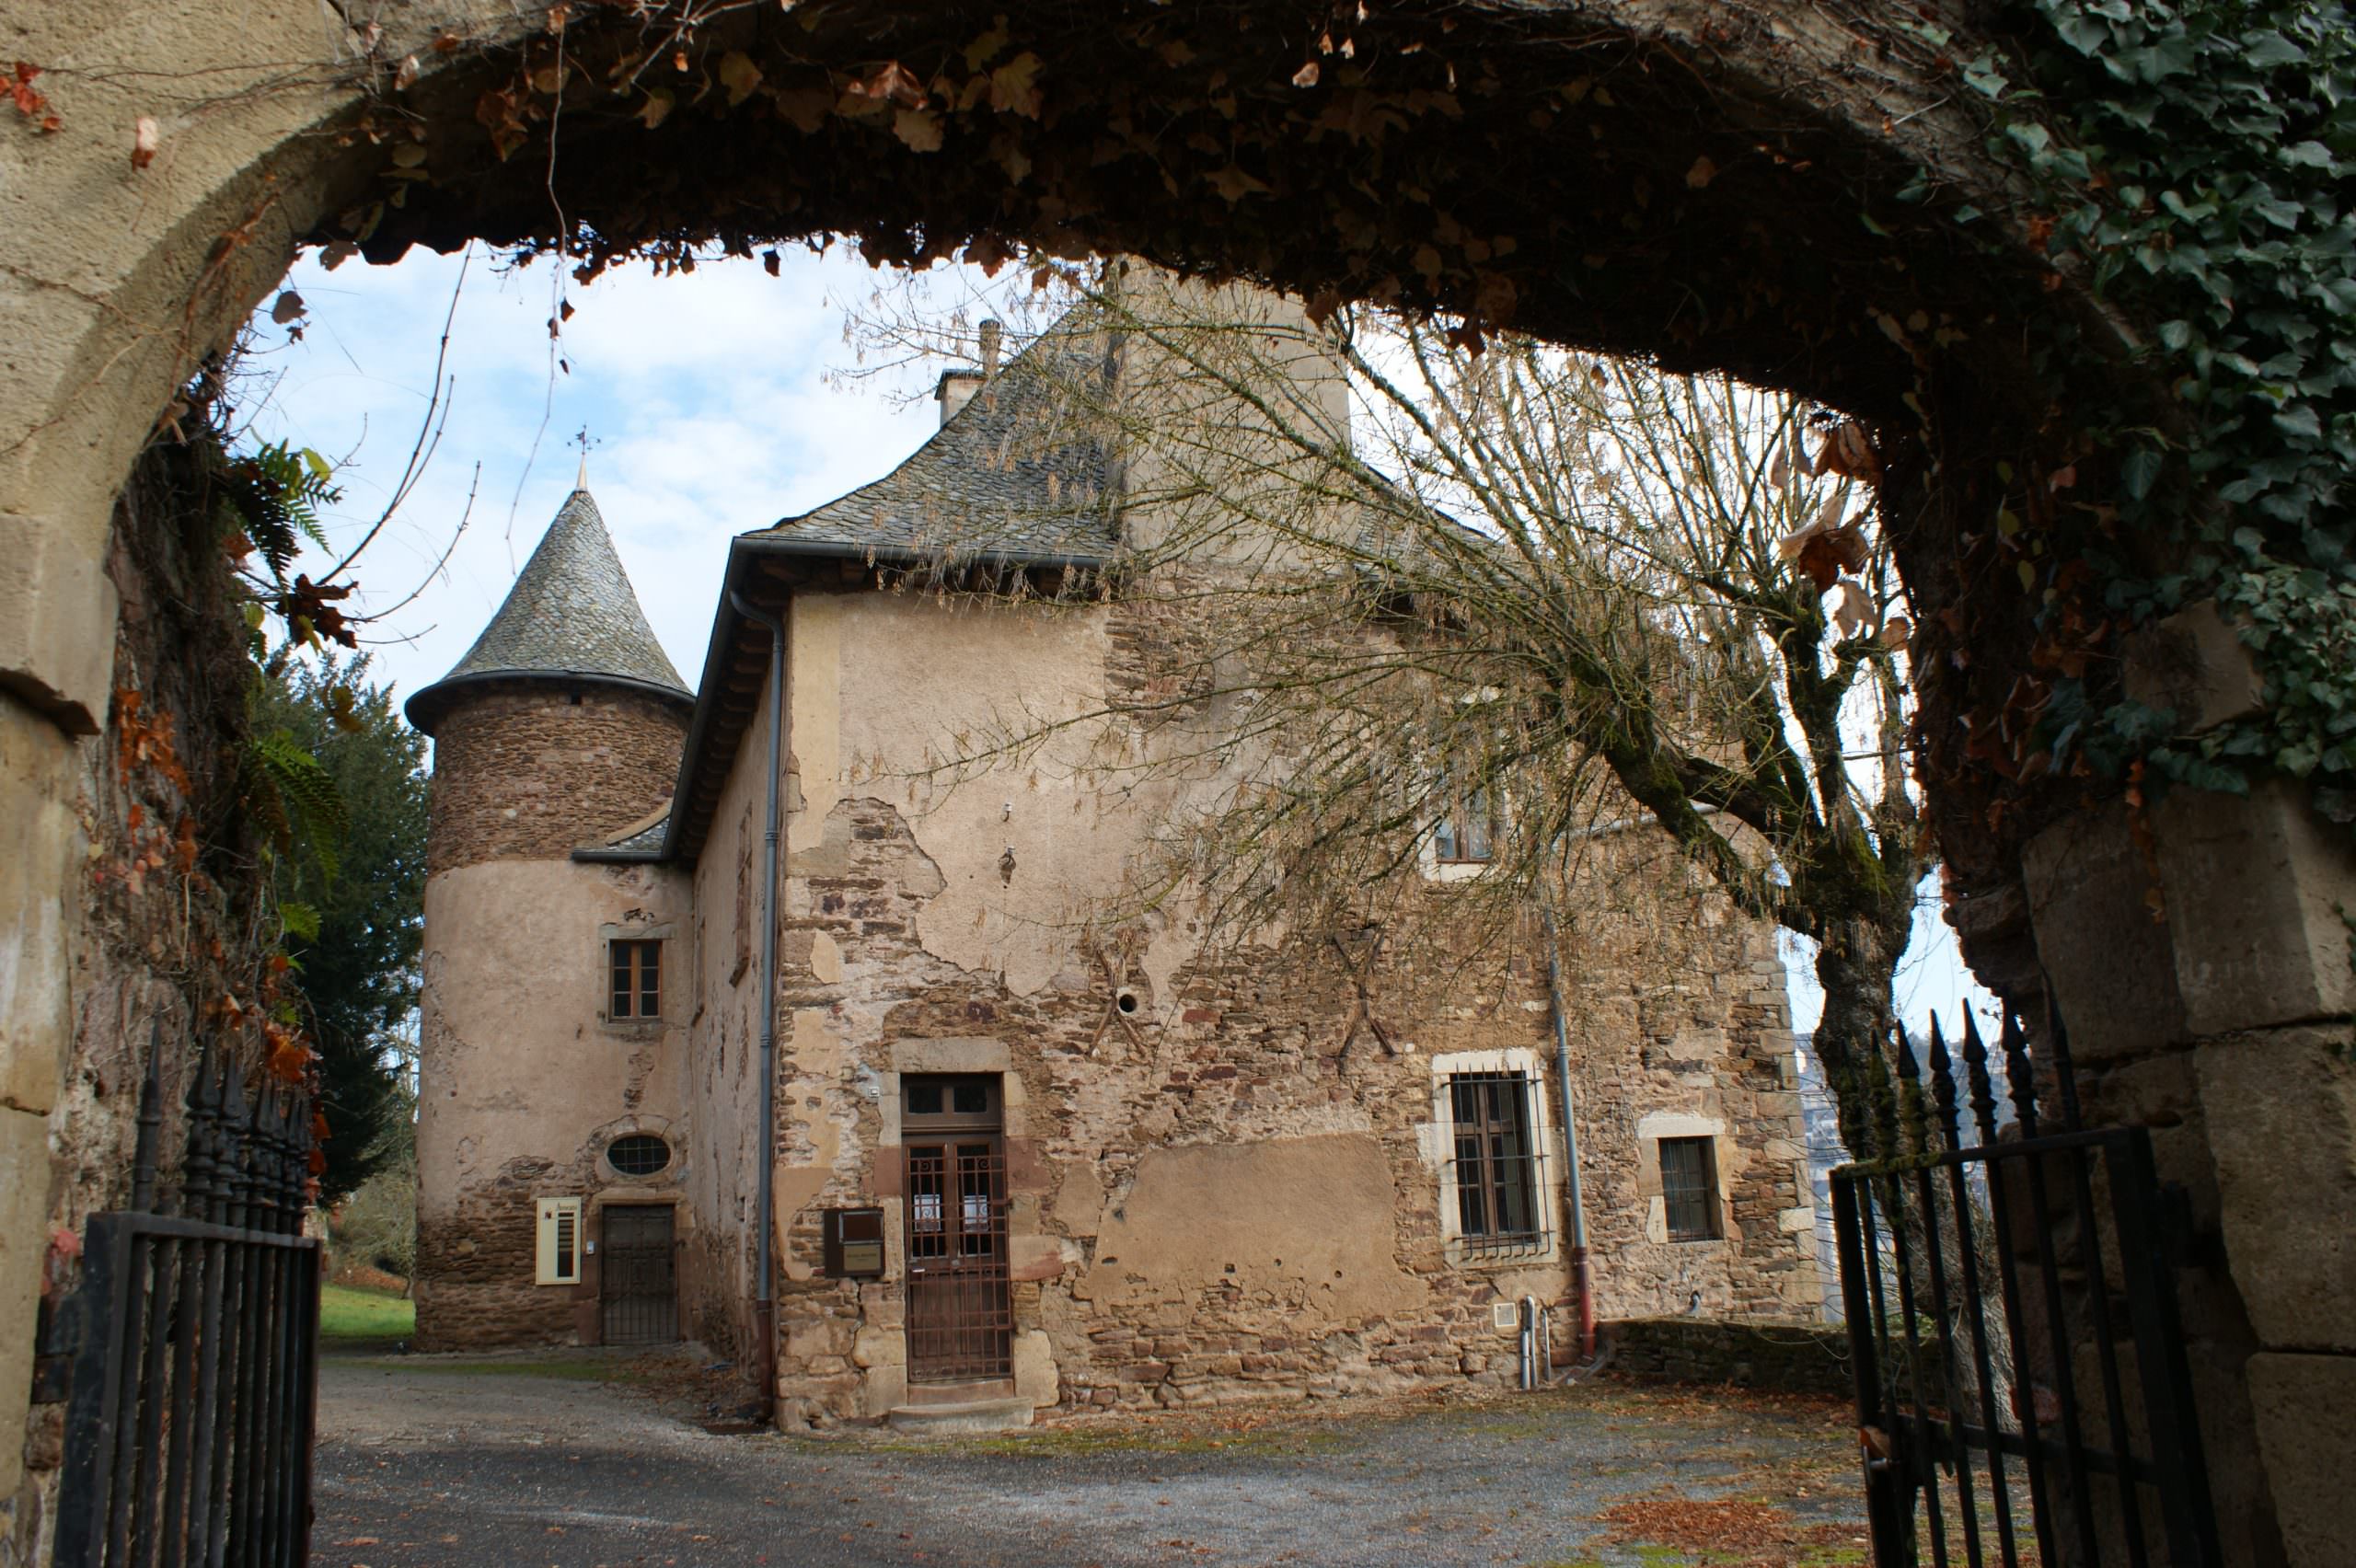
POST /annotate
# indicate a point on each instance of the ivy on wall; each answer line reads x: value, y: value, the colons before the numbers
x: 2200, y: 186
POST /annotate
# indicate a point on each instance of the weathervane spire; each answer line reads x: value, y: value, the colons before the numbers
x: 581, y: 439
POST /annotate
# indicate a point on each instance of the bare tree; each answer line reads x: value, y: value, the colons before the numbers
x: 1468, y: 610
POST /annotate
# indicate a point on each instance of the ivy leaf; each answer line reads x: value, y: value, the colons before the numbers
x: 2300, y: 419
x: 1982, y: 78
x: 1013, y: 86
x: 739, y: 75
x: 918, y: 130
x: 2270, y: 48
x: 985, y: 49
x: 1234, y: 184
x: 2140, y: 472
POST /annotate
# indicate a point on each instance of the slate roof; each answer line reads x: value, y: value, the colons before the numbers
x: 643, y: 844
x: 572, y: 615
x: 1021, y: 470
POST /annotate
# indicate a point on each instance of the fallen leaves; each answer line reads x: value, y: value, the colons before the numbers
x: 1733, y: 1531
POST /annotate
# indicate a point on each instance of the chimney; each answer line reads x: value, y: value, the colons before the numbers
x: 992, y: 331
x: 956, y: 389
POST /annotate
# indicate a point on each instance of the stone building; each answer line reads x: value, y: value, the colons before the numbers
x: 1016, y: 1152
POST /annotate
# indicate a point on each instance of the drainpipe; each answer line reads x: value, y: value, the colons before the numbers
x: 765, y: 1265
x: 1582, y: 1281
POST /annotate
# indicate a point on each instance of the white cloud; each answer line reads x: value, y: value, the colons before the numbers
x: 704, y: 394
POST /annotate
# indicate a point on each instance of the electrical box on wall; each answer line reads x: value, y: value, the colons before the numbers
x: 854, y: 1242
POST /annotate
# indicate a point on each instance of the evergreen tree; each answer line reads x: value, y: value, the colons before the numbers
x: 357, y: 921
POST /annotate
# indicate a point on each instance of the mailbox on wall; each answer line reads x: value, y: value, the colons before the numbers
x: 854, y: 1242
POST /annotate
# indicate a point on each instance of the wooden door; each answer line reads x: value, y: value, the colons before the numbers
x: 961, y: 1319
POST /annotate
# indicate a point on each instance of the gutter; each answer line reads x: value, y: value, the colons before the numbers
x: 1582, y: 1278
x: 765, y: 1181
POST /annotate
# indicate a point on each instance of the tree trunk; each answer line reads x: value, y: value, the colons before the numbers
x: 1855, y: 961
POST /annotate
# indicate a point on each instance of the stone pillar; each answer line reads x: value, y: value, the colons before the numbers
x: 2202, y: 961
x: 40, y: 770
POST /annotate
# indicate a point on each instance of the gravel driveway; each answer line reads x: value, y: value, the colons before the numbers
x: 578, y: 1459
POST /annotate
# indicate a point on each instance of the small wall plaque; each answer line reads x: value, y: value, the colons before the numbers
x: 853, y: 1243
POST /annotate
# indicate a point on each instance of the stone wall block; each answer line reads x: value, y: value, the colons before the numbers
x: 38, y: 770
x: 57, y: 616
x: 24, y: 1204
x: 2195, y: 663
x: 2255, y: 886
x: 2306, y: 1430
x: 2111, y: 963
x: 2281, y: 1119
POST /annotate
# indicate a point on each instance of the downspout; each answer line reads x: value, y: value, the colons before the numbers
x: 765, y: 1182
x: 1582, y: 1281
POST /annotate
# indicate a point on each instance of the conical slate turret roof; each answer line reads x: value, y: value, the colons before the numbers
x: 572, y: 617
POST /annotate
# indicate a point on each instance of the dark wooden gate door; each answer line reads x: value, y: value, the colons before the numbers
x: 635, y: 1283
x: 961, y: 1321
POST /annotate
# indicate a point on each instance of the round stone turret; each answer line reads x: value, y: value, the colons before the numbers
x: 563, y: 724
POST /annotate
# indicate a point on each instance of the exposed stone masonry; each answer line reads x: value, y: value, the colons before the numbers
x: 1247, y: 1051
x: 514, y: 766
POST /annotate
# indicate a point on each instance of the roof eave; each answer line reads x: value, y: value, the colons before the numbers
x: 738, y: 576
x: 908, y: 555
x: 427, y: 705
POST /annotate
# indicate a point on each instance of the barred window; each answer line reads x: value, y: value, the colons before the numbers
x: 1467, y: 830
x: 1689, y: 1185
x: 638, y: 979
x: 1496, y: 1158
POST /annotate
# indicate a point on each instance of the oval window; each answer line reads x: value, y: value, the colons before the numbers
x: 640, y: 1154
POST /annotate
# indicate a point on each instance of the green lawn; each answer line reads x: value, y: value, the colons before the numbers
x: 349, y: 1317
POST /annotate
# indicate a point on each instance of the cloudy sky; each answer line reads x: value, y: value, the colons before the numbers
x: 716, y: 401
x: 706, y: 398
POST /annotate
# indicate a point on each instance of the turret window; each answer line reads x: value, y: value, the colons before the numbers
x: 637, y: 979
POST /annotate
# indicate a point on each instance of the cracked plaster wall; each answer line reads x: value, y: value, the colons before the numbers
x: 523, y: 1082
x: 1176, y: 1175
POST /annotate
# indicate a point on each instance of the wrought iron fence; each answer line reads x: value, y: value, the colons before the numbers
x: 187, y: 1356
x: 2023, y: 1392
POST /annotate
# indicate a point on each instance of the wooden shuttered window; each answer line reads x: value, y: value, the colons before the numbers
x: 637, y: 989
x: 557, y: 1258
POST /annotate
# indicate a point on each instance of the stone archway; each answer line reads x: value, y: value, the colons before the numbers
x: 1735, y: 188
